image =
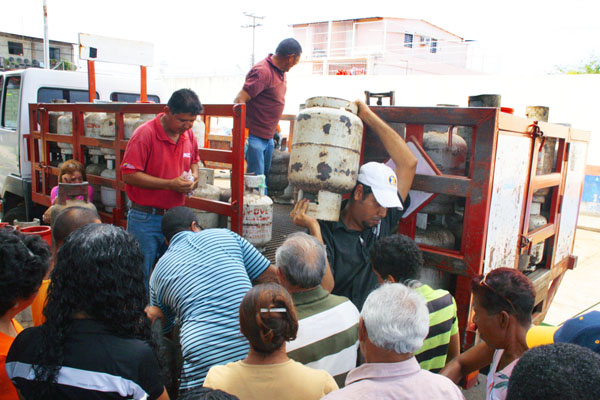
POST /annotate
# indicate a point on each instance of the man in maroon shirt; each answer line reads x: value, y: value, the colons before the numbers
x: 156, y: 168
x: 264, y: 95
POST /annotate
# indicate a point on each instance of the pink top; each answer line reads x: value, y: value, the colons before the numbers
x: 54, y: 194
x: 497, y: 381
x: 401, y: 380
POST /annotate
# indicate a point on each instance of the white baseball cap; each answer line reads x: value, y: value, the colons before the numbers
x: 383, y: 182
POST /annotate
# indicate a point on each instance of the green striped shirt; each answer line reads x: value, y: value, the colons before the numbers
x: 442, y: 325
x: 327, y: 332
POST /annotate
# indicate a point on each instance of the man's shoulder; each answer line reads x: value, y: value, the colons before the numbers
x: 441, y: 384
x: 339, y: 307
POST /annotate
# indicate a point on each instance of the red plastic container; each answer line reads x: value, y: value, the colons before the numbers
x: 44, y: 231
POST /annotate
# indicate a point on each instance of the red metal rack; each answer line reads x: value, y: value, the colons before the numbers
x: 44, y: 174
x: 490, y: 240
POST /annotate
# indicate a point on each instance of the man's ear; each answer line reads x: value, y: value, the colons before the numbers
x: 358, y: 192
x: 504, y: 318
x: 362, y: 330
x: 167, y: 110
x: 194, y: 227
x: 280, y: 276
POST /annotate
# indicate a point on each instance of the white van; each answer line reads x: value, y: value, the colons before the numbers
x: 18, y: 89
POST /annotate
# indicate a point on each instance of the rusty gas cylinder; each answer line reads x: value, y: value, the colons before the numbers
x: 325, y: 153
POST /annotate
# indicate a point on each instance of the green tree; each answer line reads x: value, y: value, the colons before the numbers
x: 592, y: 66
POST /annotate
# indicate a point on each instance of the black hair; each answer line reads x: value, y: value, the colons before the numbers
x: 204, y: 393
x: 555, y: 372
x: 177, y: 219
x: 366, y: 191
x: 24, y: 260
x: 184, y: 101
x: 70, y: 219
x: 98, y: 275
x: 288, y: 47
x: 398, y: 256
x: 506, y: 283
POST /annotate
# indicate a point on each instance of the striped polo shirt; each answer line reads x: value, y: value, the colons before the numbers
x: 201, y: 280
x: 442, y: 325
x: 327, y: 332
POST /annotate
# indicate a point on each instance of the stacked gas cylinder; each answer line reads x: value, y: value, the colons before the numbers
x: 440, y: 222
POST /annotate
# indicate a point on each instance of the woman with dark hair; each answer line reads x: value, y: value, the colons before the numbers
x: 93, y: 344
x: 24, y: 260
x: 268, y: 320
x: 503, y: 301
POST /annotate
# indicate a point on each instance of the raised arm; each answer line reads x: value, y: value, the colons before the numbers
x: 406, y: 162
x: 300, y: 218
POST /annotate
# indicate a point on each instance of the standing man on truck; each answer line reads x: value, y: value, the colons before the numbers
x: 159, y: 168
x: 373, y: 210
x: 264, y: 96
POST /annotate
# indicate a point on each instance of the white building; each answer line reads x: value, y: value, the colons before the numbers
x: 380, y: 46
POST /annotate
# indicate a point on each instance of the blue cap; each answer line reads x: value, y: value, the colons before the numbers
x: 583, y: 330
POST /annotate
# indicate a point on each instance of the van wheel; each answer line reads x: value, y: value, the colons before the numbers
x: 17, y: 212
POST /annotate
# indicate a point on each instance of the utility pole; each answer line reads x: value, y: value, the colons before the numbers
x: 253, y: 25
x: 46, y: 47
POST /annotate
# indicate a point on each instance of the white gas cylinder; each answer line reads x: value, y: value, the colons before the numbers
x: 108, y: 195
x: 257, y: 220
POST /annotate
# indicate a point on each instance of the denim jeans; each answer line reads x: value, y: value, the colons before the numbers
x: 259, y: 155
x: 146, y: 229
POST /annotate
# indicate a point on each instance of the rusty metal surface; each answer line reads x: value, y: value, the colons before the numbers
x: 508, y: 197
x: 571, y: 198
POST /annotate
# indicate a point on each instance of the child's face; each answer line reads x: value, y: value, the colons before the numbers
x: 75, y: 177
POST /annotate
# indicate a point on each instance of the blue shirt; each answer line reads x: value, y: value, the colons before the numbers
x: 201, y: 280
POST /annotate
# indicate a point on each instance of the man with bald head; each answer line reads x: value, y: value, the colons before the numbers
x: 327, y: 324
x: 64, y: 221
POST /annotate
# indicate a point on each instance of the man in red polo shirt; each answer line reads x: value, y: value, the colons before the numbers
x: 264, y: 95
x: 156, y: 168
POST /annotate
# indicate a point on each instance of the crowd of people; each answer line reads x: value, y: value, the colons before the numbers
x: 168, y: 309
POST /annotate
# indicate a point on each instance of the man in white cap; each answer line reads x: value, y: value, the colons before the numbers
x: 374, y: 209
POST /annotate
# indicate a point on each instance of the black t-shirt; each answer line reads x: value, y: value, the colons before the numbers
x: 97, y: 365
x: 348, y: 253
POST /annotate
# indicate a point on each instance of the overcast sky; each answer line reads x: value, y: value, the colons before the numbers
x: 205, y: 37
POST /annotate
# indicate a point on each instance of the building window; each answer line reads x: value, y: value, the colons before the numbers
x: 408, y: 40
x: 15, y: 48
x: 433, y: 48
x: 55, y: 53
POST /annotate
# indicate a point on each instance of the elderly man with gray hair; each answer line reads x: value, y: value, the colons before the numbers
x: 393, y: 323
x: 327, y: 324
